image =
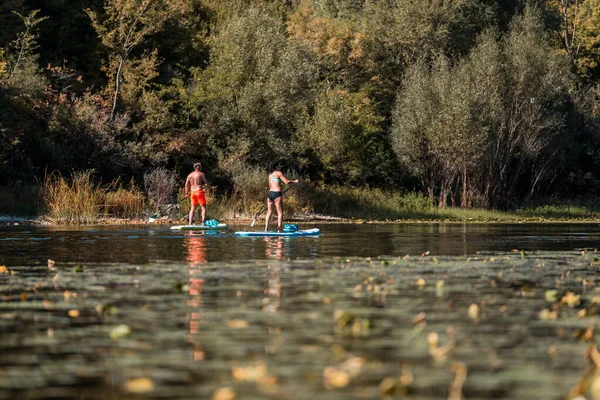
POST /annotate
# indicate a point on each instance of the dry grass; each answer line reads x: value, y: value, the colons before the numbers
x: 77, y: 200
x: 125, y: 203
x: 81, y: 200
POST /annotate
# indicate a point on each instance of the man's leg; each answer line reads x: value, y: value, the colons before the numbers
x: 203, y: 209
x: 191, y: 216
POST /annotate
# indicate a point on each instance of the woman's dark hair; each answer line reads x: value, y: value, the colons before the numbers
x: 274, y: 166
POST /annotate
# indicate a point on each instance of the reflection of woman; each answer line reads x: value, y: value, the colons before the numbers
x: 275, y: 248
x: 275, y: 195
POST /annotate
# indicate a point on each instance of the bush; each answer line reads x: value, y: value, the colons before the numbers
x: 160, y: 185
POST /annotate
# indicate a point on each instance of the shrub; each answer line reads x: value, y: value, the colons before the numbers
x: 249, y: 188
x: 160, y: 185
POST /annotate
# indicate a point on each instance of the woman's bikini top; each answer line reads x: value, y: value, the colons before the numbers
x: 271, y: 179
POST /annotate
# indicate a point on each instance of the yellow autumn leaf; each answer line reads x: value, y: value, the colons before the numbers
x: 139, y: 385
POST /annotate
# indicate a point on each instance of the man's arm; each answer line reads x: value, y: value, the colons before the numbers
x: 187, y: 185
x: 204, y: 179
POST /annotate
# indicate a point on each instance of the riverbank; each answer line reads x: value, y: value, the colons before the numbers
x: 307, y: 203
x: 450, y: 216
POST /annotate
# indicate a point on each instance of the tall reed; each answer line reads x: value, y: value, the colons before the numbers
x: 77, y: 200
x: 125, y: 203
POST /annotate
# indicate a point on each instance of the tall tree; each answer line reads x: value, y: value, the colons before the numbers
x: 124, y: 26
x: 25, y: 44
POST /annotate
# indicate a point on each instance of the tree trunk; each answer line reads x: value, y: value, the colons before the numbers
x: 463, y: 199
x: 117, y: 84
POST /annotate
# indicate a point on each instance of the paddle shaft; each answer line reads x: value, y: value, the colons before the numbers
x: 264, y: 209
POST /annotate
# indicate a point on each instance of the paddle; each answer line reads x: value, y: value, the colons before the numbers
x: 154, y: 217
x: 264, y: 209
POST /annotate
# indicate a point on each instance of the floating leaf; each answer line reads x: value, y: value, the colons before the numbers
x: 333, y: 378
x: 571, y: 299
x: 473, y: 311
x: 388, y: 386
x: 119, y: 332
x: 546, y: 314
x: 237, y: 324
x: 419, y: 318
x: 78, y: 269
x: 551, y: 295
x: 224, y: 393
x: 73, y: 313
x: 139, y: 385
x: 3, y: 269
x: 251, y: 373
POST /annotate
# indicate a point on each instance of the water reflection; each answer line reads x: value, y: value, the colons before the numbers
x: 145, y: 244
x: 195, y: 244
x: 275, y: 248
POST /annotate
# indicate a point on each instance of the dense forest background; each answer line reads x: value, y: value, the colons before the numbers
x: 477, y: 103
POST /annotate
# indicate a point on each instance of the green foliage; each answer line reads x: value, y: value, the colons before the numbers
x: 470, y: 102
x: 257, y: 90
x: 489, y: 123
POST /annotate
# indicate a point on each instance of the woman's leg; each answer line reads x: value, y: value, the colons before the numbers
x: 269, y: 212
x: 279, y: 207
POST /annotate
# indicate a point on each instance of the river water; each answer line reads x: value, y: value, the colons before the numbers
x: 413, y: 311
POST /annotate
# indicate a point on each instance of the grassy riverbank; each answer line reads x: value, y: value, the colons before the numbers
x: 80, y: 200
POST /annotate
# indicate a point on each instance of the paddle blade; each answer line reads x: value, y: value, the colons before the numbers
x: 253, y: 222
x: 152, y: 218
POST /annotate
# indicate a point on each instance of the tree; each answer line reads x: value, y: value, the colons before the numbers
x: 578, y: 29
x: 24, y: 45
x: 490, y: 122
x: 124, y: 26
x: 257, y: 91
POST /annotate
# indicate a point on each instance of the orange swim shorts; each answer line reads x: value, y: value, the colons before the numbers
x: 198, y: 197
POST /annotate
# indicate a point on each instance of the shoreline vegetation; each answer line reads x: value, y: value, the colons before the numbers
x: 83, y: 200
x: 388, y: 110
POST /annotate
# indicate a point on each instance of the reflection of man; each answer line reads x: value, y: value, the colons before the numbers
x: 196, y: 247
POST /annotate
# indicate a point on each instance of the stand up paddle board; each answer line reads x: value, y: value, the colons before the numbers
x: 198, y: 227
x: 304, y: 232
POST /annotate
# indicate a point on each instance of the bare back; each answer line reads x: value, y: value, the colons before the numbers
x: 196, y: 181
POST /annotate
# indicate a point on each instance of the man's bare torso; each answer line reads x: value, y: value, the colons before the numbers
x: 196, y: 180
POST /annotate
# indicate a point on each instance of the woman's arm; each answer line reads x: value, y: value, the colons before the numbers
x: 286, y: 180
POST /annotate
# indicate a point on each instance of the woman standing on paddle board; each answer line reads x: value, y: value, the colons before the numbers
x: 275, y: 195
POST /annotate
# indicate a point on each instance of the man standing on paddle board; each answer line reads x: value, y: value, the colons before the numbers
x: 275, y: 195
x: 194, y: 189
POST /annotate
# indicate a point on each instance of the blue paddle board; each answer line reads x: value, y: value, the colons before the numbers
x: 304, y: 232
